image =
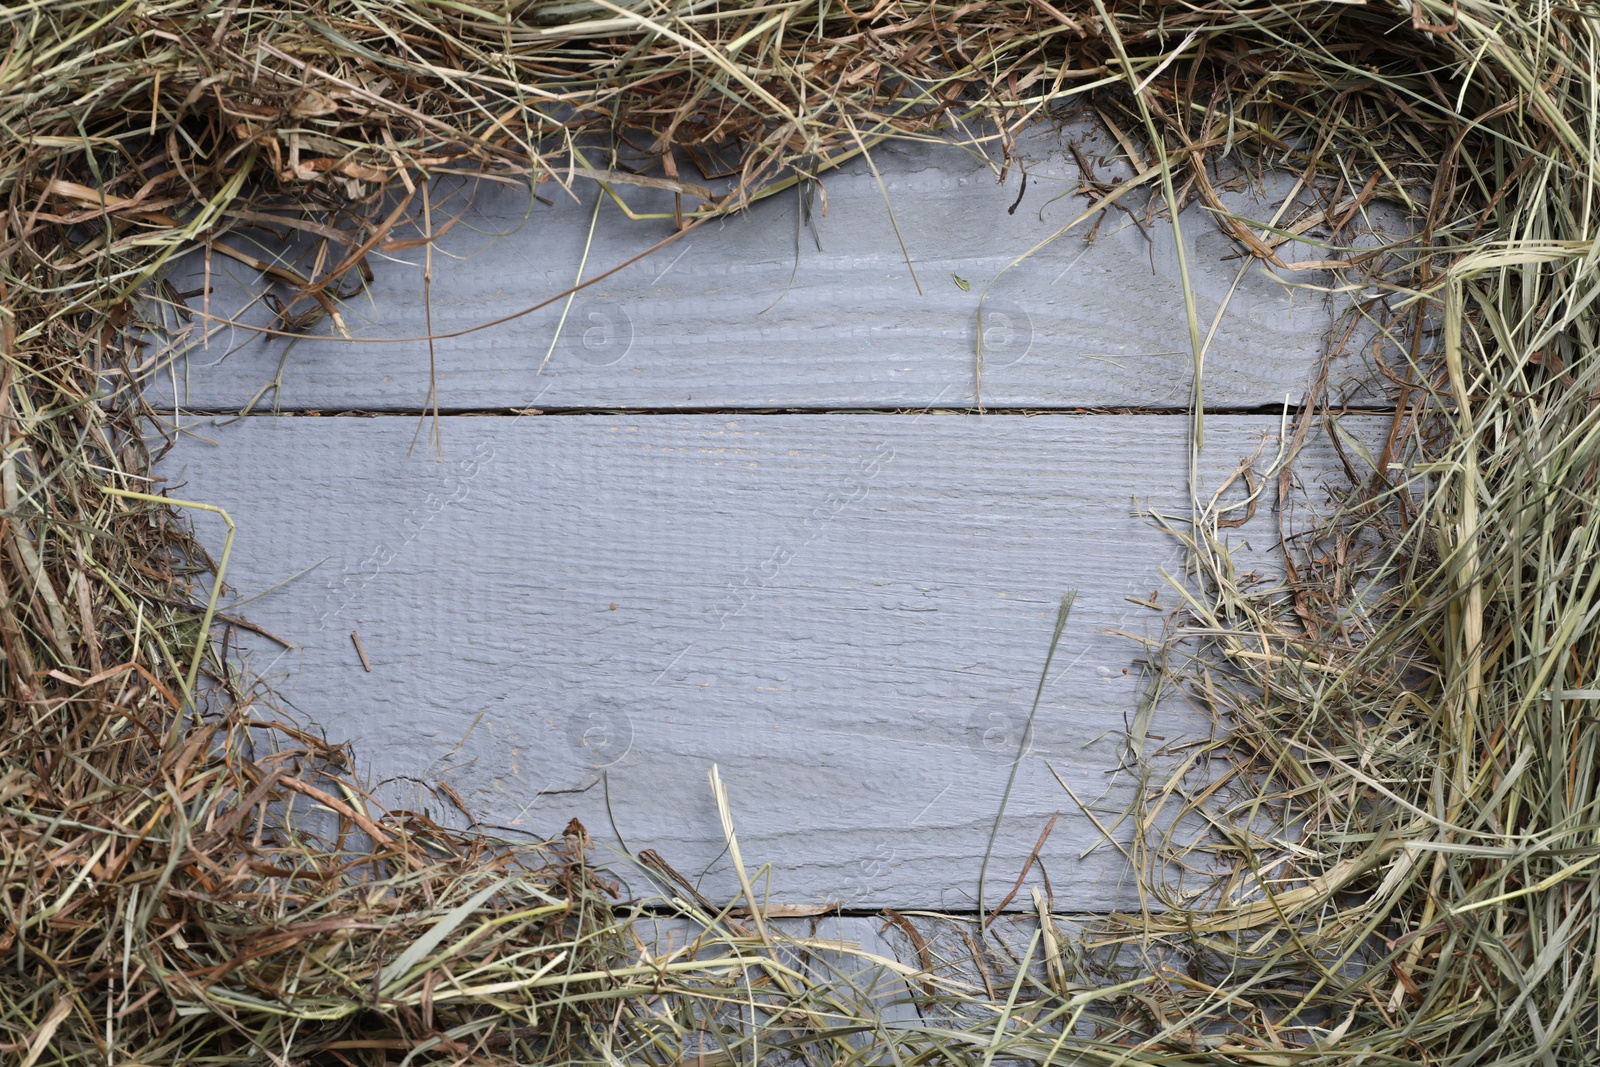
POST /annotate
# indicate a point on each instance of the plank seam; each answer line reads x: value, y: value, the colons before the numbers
x: 1274, y: 410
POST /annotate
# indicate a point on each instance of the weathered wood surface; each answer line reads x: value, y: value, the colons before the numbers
x: 848, y: 614
x: 747, y: 313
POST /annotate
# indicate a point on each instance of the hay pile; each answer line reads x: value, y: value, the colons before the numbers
x: 1414, y: 711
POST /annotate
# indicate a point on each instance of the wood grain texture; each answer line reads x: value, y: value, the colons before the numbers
x: 748, y: 313
x: 848, y: 614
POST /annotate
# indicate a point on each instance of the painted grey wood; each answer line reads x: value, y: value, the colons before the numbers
x: 735, y: 315
x: 847, y: 614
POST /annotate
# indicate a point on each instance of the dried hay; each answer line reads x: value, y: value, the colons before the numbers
x: 1403, y: 805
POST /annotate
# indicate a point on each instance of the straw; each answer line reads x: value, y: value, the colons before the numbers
x: 1386, y: 855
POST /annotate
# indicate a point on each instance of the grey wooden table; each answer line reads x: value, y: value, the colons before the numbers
x: 738, y: 511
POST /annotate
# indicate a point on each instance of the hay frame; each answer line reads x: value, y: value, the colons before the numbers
x: 1403, y: 798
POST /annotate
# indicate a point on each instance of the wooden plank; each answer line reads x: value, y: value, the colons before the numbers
x: 847, y: 614
x: 748, y: 313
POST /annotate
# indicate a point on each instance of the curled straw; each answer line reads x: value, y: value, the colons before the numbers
x: 1396, y: 843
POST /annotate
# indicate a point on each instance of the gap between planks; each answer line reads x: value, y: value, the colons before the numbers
x: 1273, y: 410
